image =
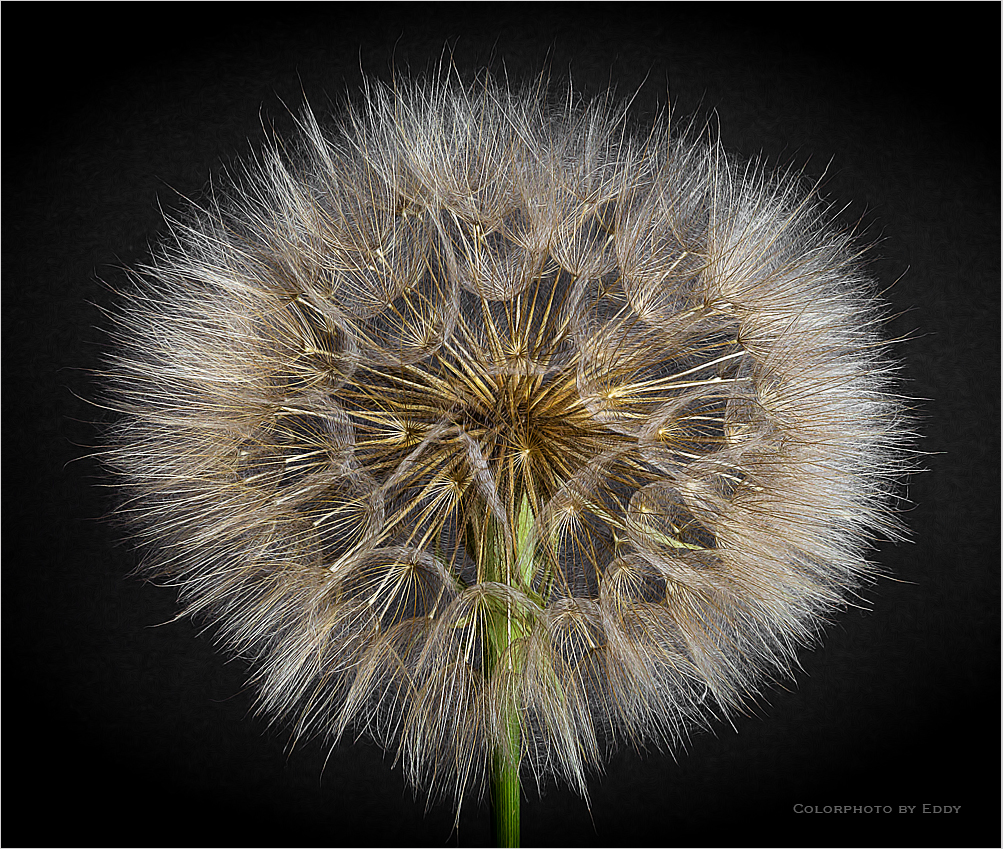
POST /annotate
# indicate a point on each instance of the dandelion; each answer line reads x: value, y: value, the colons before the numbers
x: 484, y: 427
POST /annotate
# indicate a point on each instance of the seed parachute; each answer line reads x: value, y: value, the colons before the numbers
x: 480, y: 424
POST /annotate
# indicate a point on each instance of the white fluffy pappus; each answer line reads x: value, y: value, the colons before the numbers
x: 479, y: 424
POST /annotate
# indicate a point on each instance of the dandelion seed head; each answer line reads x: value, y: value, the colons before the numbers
x: 472, y: 362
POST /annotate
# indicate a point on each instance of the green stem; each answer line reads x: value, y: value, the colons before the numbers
x: 505, y: 758
x: 505, y: 790
x: 503, y: 629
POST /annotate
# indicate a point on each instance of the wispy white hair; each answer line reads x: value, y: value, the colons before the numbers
x: 477, y: 357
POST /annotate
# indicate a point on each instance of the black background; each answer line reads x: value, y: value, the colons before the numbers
x: 118, y: 732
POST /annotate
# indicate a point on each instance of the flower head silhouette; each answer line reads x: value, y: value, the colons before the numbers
x: 487, y: 428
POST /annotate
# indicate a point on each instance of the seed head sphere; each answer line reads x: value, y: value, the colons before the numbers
x: 477, y: 410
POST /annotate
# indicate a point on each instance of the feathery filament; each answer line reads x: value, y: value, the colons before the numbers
x: 489, y: 429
